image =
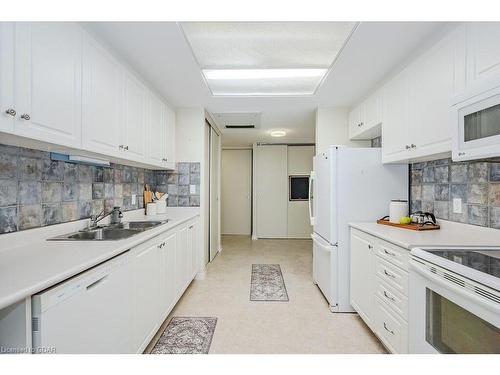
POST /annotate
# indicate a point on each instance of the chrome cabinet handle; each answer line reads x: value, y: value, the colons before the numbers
x: 413, y: 145
x: 121, y: 147
x: 190, y: 227
x: 25, y: 116
x: 407, y: 147
x: 387, y: 329
x: 125, y: 148
x: 370, y: 247
x: 389, y: 253
x: 389, y: 274
x: 461, y: 154
x: 389, y: 297
x: 11, y: 112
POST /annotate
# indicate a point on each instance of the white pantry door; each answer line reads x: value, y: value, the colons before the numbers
x: 236, y: 192
x: 215, y: 145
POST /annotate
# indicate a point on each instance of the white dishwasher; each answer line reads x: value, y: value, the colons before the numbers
x: 89, y: 313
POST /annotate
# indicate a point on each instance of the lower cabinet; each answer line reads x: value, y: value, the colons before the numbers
x: 163, y: 269
x: 379, y: 288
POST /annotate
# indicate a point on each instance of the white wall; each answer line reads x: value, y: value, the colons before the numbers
x: 332, y: 128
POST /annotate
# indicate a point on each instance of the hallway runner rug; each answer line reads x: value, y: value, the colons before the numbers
x: 267, y: 283
x: 186, y: 336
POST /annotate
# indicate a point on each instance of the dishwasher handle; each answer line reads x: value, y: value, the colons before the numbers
x: 98, y: 282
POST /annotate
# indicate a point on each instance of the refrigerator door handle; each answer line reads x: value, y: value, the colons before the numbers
x: 310, y: 201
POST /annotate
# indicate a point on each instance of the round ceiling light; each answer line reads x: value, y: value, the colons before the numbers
x: 278, y: 133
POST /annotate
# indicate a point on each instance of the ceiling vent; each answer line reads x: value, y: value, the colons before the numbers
x: 237, y: 120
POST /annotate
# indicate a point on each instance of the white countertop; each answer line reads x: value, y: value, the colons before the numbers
x: 450, y: 234
x: 29, y: 263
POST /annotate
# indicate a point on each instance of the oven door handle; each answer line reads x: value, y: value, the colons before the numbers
x: 417, y: 266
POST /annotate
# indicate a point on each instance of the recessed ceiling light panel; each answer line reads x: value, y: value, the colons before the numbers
x: 265, y: 58
x: 277, y: 133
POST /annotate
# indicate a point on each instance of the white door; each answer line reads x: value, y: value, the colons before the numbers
x: 135, y: 97
x: 170, y: 137
x: 195, y: 250
x: 271, y: 193
x: 168, y: 294
x: 7, y: 108
x: 157, y: 130
x: 48, y: 78
x: 181, y: 260
x: 236, y: 190
x: 102, y: 99
x: 215, y: 146
x: 146, y: 290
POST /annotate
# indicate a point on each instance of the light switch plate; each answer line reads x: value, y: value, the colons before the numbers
x: 192, y: 189
x: 133, y: 198
x: 457, y: 205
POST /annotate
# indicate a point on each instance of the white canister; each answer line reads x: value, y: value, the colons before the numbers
x: 161, y: 207
x: 397, y: 209
x: 151, y: 209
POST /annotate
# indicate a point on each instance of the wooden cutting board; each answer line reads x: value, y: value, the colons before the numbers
x: 412, y: 226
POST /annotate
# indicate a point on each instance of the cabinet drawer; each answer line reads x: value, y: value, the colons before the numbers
x: 393, y: 254
x: 397, y: 301
x: 394, y: 276
x: 391, y: 329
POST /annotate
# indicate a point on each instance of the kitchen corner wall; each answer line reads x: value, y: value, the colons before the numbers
x: 36, y: 191
x: 434, y: 184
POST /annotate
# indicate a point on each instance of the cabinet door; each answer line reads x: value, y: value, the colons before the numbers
x: 354, y: 122
x: 7, y: 107
x: 194, y: 249
x: 181, y: 260
x: 157, y: 130
x: 373, y: 110
x: 170, y: 136
x: 362, y: 277
x: 483, y: 55
x: 101, y: 105
x: 146, y: 291
x: 135, y: 97
x: 167, y: 293
x: 48, y: 79
x: 432, y: 81
x: 395, y: 125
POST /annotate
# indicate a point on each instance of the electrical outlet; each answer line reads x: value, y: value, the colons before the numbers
x: 192, y: 189
x: 457, y: 205
x: 134, y: 198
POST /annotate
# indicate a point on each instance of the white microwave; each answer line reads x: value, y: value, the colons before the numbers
x: 476, y: 127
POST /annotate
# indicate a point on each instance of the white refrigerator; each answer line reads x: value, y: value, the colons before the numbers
x: 347, y: 185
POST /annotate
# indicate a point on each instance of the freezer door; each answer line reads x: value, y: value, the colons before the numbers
x: 323, y: 196
x: 325, y: 266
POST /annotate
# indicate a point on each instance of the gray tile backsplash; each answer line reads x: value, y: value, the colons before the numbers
x: 435, y: 184
x: 37, y: 191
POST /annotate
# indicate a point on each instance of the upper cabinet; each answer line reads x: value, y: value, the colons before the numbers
x: 48, y: 77
x: 102, y: 99
x: 417, y: 102
x: 62, y: 87
x: 366, y: 118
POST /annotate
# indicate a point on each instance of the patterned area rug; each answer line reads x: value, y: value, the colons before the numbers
x: 267, y: 283
x: 186, y: 336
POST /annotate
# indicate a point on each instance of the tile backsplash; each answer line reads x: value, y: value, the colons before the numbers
x: 36, y: 191
x: 434, y: 185
x: 376, y: 142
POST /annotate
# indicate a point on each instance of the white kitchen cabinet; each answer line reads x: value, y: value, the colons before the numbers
x: 135, y: 117
x: 157, y: 130
x: 170, y: 136
x: 147, y: 283
x: 48, y: 78
x: 362, y: 276
x: 181, y: 259
x: 7, y: 107
x: 168, y: 292
x: 102, y: 99
x: 366, y: 118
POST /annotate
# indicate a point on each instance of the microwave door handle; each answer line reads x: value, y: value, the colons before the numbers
x: 311, y: 217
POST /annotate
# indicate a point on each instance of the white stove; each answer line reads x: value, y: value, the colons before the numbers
x: 454, y: 300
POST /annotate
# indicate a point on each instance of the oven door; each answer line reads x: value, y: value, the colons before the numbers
x: 451, y: 314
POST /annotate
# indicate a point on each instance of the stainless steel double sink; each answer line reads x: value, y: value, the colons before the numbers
x: 110, y: 232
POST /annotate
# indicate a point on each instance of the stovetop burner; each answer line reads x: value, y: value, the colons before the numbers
x: 487, y: 261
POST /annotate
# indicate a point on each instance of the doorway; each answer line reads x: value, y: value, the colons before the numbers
x: 214, y: 239
x: 236, y: 191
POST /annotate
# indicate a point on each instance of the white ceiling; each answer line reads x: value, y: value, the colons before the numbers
x: 160, y: 52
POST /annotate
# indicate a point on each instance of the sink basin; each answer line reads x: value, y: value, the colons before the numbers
x: 110, y: 232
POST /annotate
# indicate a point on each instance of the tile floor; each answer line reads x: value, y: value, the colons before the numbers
x: 302, y: 325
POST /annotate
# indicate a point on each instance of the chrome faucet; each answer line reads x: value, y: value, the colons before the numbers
x: 115, y: 219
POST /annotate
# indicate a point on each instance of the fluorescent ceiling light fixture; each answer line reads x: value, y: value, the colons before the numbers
x: 223, y: 74
x: 265, y: 58
x: 278, y: 133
